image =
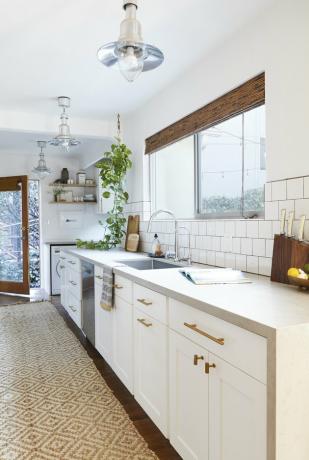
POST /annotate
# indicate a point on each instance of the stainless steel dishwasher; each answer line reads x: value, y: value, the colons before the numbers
x: 88, y: 325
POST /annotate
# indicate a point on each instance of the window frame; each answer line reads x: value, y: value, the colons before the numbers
x: 197, y: 163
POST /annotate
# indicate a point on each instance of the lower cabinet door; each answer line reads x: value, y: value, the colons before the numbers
x: 150, y: 368
x: 103, y: 328
x: 123, y: 341
x: 188, y: 392
x: 237, y: 414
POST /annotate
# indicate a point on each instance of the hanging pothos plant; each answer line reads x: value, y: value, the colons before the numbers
x: 113, y: 168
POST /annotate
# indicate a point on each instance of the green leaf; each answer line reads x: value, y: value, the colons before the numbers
x: 106, y: 194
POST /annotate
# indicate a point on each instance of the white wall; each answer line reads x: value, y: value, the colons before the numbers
x: 277, y: 43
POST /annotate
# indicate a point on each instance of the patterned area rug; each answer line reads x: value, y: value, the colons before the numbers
x: 54, y: 404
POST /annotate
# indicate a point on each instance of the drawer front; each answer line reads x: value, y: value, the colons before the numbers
x: 74, y: 308
x: 74, y: 283
x: 150, y: 302
x: 123, y: 288
x: 98, y: 275
x: 241, y: 348
x: 73, y: 262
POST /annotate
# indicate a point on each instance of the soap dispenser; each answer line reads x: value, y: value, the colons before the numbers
x: 156, y: 247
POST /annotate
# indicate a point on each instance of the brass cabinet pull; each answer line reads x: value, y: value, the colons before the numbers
x: 100, y: 277
x: 144, y: 322
x: 145, y: 302
x: 194, y: 328
x: 208, y: 366
x: 73, y: 308
x: 73, y: 283
x: 117, y: 286
x: 62, y: 258
x: 62, y: 266
x: 72, y: 263
x: 196, y: 359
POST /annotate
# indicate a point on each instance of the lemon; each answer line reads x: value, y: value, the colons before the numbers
x: 293, y: 272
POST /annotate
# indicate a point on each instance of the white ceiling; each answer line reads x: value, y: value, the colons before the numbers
x: 48, y: 48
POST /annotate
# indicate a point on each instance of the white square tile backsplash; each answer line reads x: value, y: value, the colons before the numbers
x: 295, y: 188
x: 244, y: 244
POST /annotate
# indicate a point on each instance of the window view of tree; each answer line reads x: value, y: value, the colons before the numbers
x: 11, y: 256
x: 232, y: 169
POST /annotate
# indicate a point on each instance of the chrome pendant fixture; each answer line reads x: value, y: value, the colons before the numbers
x: 132, y: 55
x: 64, y: 138
x: 41, y: 170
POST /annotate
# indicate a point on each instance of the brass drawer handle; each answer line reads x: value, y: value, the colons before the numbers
x: 73, y: 283
x: 208, y: 366
x: 117, y: 286
x: 144, y: 322
x: 62, y: 258
x: 99, y: 277
x: 72, y: 308
x: 196, y: 359
x: 71, y: 262
x: 62, y: 266
x: 145, y: 302
x: 194, y: 328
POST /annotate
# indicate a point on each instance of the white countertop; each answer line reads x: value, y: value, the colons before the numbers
x: 261, y: 306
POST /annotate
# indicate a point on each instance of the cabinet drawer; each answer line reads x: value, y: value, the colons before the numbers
x: 242, y: 348
x: 73, y: 262
x: 123, y: 288
x: 98, y: 275
x: 74, y: 283
x: 150, y: 302
x: 74, y: 308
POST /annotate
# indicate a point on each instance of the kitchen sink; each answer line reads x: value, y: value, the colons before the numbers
x: 149, y: 264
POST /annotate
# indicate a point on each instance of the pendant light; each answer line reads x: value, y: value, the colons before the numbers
x: 64, y: 138
x: 41, y: 170
x: 132, y: 55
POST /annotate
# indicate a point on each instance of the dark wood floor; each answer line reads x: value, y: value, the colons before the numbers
x: 152, y: 435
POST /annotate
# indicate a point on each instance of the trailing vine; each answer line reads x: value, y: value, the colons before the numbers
x: 113, y: 168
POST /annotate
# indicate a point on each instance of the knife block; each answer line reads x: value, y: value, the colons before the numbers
x: 287, y: 253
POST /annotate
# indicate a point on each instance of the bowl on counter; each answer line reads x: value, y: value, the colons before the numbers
x: 299, y: 282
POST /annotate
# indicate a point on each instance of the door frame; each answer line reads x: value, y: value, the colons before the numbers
x: 11, y: 184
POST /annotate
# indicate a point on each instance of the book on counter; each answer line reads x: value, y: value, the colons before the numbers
x: 215, y: 276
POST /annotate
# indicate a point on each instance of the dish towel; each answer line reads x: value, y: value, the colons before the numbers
x: 107, y: 298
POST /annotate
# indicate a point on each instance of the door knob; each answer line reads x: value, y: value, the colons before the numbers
x: 208, y: 366
x: 196, y: 359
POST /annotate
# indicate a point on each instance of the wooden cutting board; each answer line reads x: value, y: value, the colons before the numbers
x: 287, y: 253
x: 133, y: 227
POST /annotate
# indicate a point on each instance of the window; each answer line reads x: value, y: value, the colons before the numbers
x: 34, y: 234
x: 231, y: 169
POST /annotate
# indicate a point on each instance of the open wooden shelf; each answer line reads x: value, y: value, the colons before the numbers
x: 72, y: 185
x: 73, y: 202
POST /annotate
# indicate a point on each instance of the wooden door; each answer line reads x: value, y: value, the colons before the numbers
x: 150, y: 368
x: 14, y: 238
x: 188, y: 398
x: 237, y: 415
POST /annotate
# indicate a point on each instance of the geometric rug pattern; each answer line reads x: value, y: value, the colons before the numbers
x: 54, y: 404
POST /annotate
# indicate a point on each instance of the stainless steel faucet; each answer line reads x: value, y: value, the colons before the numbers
x: 166, y: 211
x: 189, y: 258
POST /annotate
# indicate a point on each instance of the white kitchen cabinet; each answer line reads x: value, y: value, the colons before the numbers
x: 237, y: 414
x: 103, y: 327
x: 188, y: 395
x: 150, y: 368
x: 123, y: 341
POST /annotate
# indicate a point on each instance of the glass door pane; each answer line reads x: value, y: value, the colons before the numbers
x: 13, y: 235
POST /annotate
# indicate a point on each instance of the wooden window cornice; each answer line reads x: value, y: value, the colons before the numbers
x: 245, y: 97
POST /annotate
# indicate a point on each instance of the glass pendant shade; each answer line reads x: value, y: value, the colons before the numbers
x: 132, y: 55
x: 64, y: 138
x: 41, y: 170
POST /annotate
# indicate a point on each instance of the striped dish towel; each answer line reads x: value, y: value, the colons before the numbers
x: 107, y: 298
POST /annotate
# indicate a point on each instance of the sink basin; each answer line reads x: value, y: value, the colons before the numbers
x: 148, y: 264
